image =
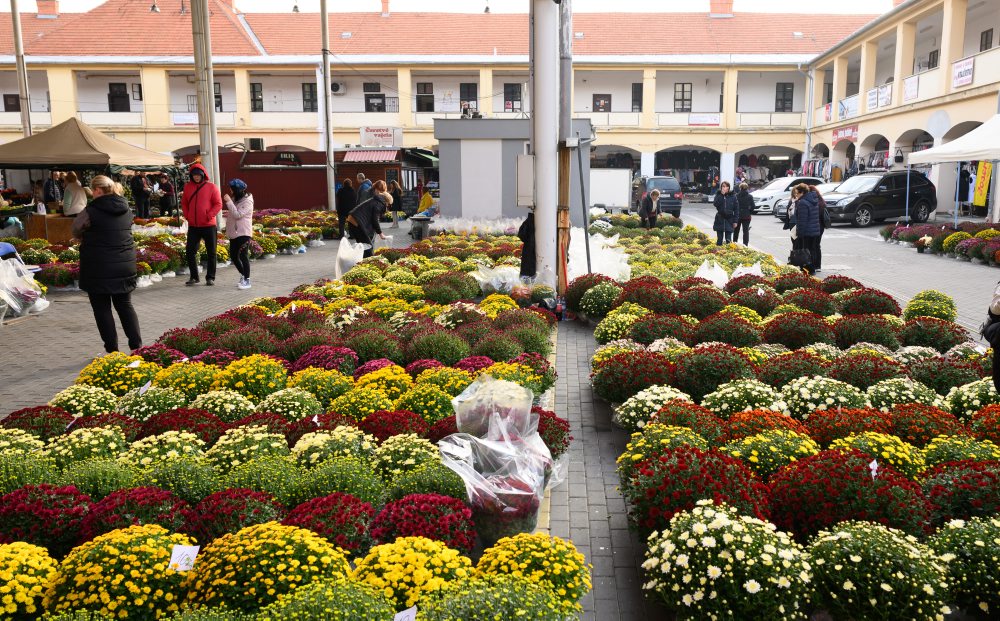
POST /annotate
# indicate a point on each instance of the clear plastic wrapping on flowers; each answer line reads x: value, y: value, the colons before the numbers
x: 713, y: 272
x: 498, y: 452
x: 606, y: 256
x: 474, y: 226
x: 19, y: 290
x: 501, y: 279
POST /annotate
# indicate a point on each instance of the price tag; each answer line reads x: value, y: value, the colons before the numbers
x: 182, y: 557
x: 183, y: 360
x: 874, y: 468
x: 145, y: 387
x: 410, y: 614
x: 72, y: 422
x: 760, y: 292
x: 134, y: 364
x: 293, y: 307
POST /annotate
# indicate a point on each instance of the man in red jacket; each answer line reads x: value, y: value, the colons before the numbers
x: 201, y: 203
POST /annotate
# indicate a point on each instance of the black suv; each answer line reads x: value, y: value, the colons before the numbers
x: 671, y: 194
x: 875, y: 197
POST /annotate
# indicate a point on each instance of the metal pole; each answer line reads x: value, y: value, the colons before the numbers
x: 583, y: 201
x: 22, y: 71
x: 909, y: 171
x: 545, y: 126
x: 331, y: 166
x: 957, y: 179
x: 205, y: 84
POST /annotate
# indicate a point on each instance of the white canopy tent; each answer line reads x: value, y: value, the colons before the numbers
x: 980, y: 145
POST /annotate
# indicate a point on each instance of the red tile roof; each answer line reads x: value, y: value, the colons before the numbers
x: 127, y: 28
x: 32, y: 28
x: 428, y: 34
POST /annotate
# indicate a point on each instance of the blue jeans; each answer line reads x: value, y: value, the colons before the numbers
x: 726, y: 235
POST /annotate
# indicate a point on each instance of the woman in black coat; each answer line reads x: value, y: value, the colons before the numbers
x: 727, y: 213
x: 363, y: 222
x: 107, y: 261
x: 397, y: 202
x: 745, y: 202
x: 346, y: 201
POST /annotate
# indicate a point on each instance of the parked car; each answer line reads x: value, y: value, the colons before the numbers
x: 781, y: 207
x: 875, y: 197
x: 764, y: 198
x: 671, y: 194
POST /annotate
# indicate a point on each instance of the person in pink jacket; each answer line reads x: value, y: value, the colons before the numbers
x: 239, y: 228
x: 201, y: 203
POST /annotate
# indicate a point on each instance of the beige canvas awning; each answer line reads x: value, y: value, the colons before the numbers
x: 75, y: 144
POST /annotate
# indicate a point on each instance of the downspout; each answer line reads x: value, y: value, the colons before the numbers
x: 810, y: 104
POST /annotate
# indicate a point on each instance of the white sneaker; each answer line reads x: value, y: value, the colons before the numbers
x: 244, y: 284
x: 239, y: 285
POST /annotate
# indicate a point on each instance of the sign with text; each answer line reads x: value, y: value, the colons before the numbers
x: 962, y: 72
x: 381, y: 136
x: 982, y: 184
x: 911, y: 88
x: 828, y: 112
x: 872, y: 100
x: 704, y: 118
x: 848, y: 108
x: 849, y: 133
x: 884, y: 95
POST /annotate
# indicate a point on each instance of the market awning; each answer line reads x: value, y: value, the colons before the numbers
x: 431, y: 159
x: 371, y: 155
x: 74, y: 144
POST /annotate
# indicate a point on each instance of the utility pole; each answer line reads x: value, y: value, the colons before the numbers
x: 205, y: 82
x: 22, y: 71
x: 544, y: 64
x: 331, y: 166
x: 566, y: 141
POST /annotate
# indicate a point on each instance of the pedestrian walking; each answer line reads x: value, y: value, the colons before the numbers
x: 347, y: 200
x: 727, y: 213
x: 201, y: 202
x: 364, y: 188
x: 363, y: 221
x: 140, y: 194
x: 107, y: 261
x: 397, y: 202
x: 239, y: 228
x: 745, y: 202
x: 824, y: 223
x: 168, y: 197
x: 804, y: 222
x: 648, y: 209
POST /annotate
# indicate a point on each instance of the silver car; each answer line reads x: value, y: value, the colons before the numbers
x: 764, y: 198
x: 781, y: 206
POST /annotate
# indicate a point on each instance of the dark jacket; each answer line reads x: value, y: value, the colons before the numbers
x: 397, y: 200
x: 727, y: 211
x: 646, y: 207
x: 140, y: 187
x: 746, y: 204
x: 346, y: 201
x: 526, y: 234
x: 364, y: 191
x: 366, y: 217
x: 807, y: 216
x: 107, y: 252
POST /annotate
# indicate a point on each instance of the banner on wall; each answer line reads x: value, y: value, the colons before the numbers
x: 962, y: 71
x: 849, y: 133
x: 982, y: 184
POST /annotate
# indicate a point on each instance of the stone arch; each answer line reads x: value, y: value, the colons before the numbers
x: 614, y: 156
x: 959, y: 130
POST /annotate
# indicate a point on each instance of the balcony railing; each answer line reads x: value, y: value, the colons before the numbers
x: 113, y: 119
x: 689, y: 119
x: 9, y: 119
x: 222, y: 119
x: 771, y: 119
x: 611, y: 119
x: 362, y: 119
x: 978, y: 70
x: 848, y: 107
x: 282, y: 120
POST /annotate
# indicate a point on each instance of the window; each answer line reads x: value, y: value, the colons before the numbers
x: 192, y: 103
x: 932, y: 59
x: 783, y: 96
x: 371, y: 87
x: 118, y: 99
x: 256, y: 97
x: 11, y: 103
x: 682, y: 97
x: 137, y: 92
x: 218, y: 97
x: 511, y: 97
x: 828, y: 93
x: 637, y: 97
x: 986, y: 40
x: 425, y: 97
x: 602, y: 103
x: 309, y: 101
x: 375, y: 102
x: 468, y: 96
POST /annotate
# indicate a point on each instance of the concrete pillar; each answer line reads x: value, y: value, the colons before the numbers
x: 406, y: 101
x: 839, y: 84
x: 545, y: 133
x: 906, y: 41
x: 648, y: 118
x: 62, y: 86
x: 156, y: 96
x: 727, y: 168
x: 242, y: 78
x: 869, y: 51
x: 647, y: 166
x: 486, y: 91
x: 952, y: 37
x: 729, y: 92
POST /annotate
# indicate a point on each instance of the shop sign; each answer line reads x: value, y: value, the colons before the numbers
x: 381, y: 136
x: 703, y: 118
x: 884, y: 95
x: 911, y: 88
x: 287, y: 158
x: 828, y: 112
x: 872, y: 101
x: 961, y: 72
x: 849, y: 133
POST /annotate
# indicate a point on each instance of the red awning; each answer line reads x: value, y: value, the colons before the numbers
x: 372, y: 155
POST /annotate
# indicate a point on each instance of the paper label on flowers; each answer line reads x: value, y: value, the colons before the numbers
x: 182, y: 557
x: 145, y: 387
x: 410, y: 614
x: 874, y: 468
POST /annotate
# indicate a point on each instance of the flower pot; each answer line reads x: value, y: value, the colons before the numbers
x: 921, y: 250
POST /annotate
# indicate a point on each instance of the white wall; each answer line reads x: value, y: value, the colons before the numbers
x: 92, y: 91
x: 283, y: 93
x: 38, y: 88
x: 757, y: 90
x: 180, y: 88
x: 446, y: 91
x: 618, y: 84
x: 354, y: 99
x: 982, y: 19
x: 482, y: 161
x: 706, y: 87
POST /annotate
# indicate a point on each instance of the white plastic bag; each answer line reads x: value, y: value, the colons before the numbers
x: 743, y: 270
x: 18, y: 288
x: 714, y: 273
x: 349, y: 254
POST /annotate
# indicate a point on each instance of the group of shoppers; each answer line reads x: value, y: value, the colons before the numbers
x: 807, y: 219
x: 733, y: 212
x: 143, y: 188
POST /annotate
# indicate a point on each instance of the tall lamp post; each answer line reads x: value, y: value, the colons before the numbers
x: 22, y: 71
x: 331, y: 166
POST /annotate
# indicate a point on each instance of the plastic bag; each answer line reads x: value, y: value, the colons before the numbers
x: 743, y: 270
x: 488, y: 400
x: 349, y: 254
x: 500, y: 279
x: 713, y: 272
x: 18, y: 288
